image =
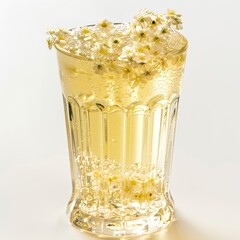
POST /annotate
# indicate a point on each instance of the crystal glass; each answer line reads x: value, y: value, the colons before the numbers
x: 120, y: 129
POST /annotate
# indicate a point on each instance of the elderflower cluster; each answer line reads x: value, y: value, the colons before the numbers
x: 138, y: 50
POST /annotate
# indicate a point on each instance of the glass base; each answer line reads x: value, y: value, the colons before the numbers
x: 122, y: 227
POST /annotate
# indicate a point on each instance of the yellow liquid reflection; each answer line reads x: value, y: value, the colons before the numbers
x: 180, y: 229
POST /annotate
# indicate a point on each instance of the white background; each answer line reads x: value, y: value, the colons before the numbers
x: 34, y: 169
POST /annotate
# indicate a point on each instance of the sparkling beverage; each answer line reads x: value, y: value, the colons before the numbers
x: 121, y: 108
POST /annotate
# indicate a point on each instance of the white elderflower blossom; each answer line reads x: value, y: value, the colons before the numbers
x: 84, y: 33
x: 157, y: 38
x: 138, y: 81
x: 128, y: 72
x: 100, y: 49
x: 174, y: 19
x: 157, y: 49
x: 127, y: 53
x: 127, y: 49
x: 140, y: 58
x: 147, y: 18
x: 115, y: 44
x: 140, y: 34
x: 144, y: 16
x: 105, y: 26
x: 143, y: 48
x: 149, y: 71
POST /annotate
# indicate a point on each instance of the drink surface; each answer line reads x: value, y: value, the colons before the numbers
x: 121, y: 108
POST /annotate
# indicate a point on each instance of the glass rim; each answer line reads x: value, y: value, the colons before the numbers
x: 85, y: 57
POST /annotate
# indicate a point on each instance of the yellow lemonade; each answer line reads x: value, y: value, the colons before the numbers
x: 121, y: 93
